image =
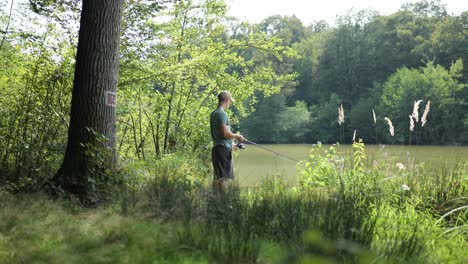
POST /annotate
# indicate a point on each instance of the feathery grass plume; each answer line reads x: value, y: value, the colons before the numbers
x: 354, y: 136
x: 390, y: 126
x: 411, y: 126
x: 415, y: 113
x: 426, y: 111
x: 340, y: 115
x: 373, y: 114
x: 341, y: 121
x: 375, y: 125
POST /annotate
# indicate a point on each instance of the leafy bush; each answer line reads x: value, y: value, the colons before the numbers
x: 320, y: 171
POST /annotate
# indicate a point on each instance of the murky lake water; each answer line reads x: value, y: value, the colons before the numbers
x: 252, y: 163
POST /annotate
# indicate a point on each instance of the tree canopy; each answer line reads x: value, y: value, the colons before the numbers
x: 289, y: 79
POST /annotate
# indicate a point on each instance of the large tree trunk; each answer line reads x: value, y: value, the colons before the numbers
x: 92, y: 131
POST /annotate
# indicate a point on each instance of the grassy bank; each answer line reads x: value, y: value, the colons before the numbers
x: 361, y: 210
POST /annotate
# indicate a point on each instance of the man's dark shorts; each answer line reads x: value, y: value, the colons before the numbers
x: 222, y: 162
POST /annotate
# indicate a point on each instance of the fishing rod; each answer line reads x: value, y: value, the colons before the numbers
x: 267, y: 149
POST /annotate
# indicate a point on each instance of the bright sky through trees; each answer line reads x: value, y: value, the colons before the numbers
x: 308, y: 10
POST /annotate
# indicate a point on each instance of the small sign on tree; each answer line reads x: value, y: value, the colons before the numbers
x: 111, y: 98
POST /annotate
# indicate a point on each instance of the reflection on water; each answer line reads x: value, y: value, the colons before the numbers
x: 251, y: 164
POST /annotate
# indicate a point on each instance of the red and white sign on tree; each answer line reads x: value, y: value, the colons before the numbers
x: 111, y: 98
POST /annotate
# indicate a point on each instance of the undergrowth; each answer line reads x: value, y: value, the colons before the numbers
x: 357, y: 210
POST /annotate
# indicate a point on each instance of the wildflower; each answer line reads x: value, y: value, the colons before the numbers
x: 400, y: 166
x: 405, y: 188
x: 390, y: 126
x: 426, y: 111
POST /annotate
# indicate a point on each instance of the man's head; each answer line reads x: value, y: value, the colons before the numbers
x: 225, y: 99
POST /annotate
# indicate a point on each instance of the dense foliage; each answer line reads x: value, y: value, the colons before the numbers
x: 358, y: 62
x: 174, y: 60
x: 290, y: 82
x: 288, y: 79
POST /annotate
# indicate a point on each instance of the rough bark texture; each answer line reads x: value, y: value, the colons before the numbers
x: 92, y: 130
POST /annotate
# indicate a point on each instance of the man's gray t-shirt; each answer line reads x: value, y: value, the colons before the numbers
x: 217, y: 118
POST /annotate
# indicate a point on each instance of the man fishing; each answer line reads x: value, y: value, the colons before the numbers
x: 222, y: 137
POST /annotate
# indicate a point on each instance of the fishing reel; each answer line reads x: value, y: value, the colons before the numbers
x: 240, y: 146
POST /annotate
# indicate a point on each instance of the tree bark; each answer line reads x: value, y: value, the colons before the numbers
x: 92, y: 130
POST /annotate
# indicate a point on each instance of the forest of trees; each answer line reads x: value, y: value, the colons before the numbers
x: 369, y: 62
x: 288, y: 79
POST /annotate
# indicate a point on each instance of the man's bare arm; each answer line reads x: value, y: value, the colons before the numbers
x: 228, y: 134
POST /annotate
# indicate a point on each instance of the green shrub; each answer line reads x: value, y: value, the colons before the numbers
x: 322, y: 169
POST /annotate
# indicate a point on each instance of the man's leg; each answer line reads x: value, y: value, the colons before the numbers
x: 224, y: 182
x: 223, y: 168
x: 222, y: 185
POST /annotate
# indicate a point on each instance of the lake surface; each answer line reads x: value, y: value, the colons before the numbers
x: 252, y: 163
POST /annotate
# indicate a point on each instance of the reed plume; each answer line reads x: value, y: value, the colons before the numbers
x: 426, y: 112
x: 411, y: 127
x: 340, y: 115
x: 341, y: 121
x: 415, y: 113
x: 375, y: 125
x: 390, y: 126
x: 375, y: 118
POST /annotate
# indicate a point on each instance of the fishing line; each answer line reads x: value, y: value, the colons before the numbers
x: 270, y: 150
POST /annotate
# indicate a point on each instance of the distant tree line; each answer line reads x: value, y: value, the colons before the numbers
x: 369, y: 62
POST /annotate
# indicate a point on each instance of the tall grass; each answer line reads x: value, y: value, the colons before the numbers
x: 167, y: 213
x: 359, y: 212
